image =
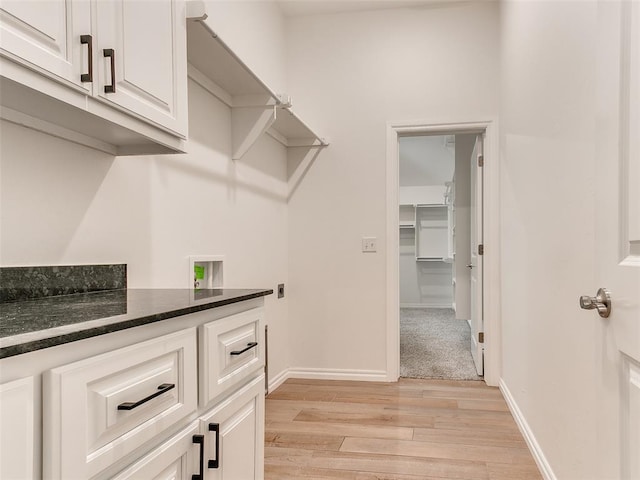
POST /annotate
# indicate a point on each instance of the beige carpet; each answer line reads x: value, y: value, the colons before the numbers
x: 433, y: 344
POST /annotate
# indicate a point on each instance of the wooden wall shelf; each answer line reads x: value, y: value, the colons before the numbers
x: 255, y: 108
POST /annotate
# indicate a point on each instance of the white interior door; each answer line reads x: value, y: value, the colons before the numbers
x: 617, y: 222
x: 476, y: 321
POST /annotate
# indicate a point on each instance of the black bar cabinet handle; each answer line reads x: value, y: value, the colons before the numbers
x: 165, y: 387
x: 215, y: 427
x: 199, y: 439
x: 248, y: 347
x: 87, y: 40
x: 111, y: 53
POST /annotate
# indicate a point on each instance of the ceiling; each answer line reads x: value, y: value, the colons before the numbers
x: 297, y: 8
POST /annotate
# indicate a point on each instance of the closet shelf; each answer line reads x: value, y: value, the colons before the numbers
x: 255, y: 108
x: 434, y: 259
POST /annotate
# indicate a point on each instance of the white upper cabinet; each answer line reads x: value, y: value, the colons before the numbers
x: 46, y: 35
x: 109, y: 74
x: 142, y: 66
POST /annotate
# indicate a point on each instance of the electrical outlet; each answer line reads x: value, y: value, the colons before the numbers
x: 281, y: 290
x: 369, y: 244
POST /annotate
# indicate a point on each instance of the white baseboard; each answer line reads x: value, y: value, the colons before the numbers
x: 328, y: 374
x: 425, y: 305
x: 527, y: 433
x: 278, y: 380
x: 339, y: 374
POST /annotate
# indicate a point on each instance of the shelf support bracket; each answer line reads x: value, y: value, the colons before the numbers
x: 247, y: 125
x: 196, y: 10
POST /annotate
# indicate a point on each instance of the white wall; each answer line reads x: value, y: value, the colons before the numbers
x: 350, y: 74
x: 548, y: 171
x: 66, y: 204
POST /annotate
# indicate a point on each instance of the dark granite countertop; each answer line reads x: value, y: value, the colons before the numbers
x: 31, y: 325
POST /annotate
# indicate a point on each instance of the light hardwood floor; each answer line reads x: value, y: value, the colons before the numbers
x: 413, y: 429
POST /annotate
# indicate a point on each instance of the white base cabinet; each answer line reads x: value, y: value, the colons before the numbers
x: 125, y: 405
x: 16, y: 429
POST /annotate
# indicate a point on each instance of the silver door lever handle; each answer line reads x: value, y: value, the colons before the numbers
x: 601, y: 302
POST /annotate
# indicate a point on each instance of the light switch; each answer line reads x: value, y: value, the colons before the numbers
x: 369, y: 244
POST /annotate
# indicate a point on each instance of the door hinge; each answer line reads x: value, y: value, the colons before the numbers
x: 480, y: 337
x: 481, y: 249
x: 481, y: 160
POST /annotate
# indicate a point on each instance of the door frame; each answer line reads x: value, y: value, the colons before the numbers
x: 491, y: 239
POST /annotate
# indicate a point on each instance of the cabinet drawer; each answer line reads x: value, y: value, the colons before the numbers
x: 98, y: 410
x: 232, y: 349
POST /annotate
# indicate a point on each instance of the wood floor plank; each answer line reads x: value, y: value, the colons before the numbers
x: 381, y: 464
x: 281, y: 412
x: 482, y: 423
x: 463, y: 393
x: 343, y: 430
x: 279, y: 472
x: 436, y: 450
x: 443, y: 383
x: 497, y: 405
x: 409, y: 430
x: 369, y: 408
x: 470, y: 437
x: 316, y: 396
x: 397, y: 400
x: 499, y: 471
x: 302, y: 440
x: 387, y: 390
x: 369, y: 418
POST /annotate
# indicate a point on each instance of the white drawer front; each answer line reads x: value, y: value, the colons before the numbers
x: 232, y: 349
x: 100, y: 409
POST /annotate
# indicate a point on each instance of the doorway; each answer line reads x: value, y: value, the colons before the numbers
x: 436, y: 228
x: 439, y: 266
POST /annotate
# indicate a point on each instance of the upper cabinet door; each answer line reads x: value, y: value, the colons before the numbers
x: 46, y: 35
x: 142, y: 59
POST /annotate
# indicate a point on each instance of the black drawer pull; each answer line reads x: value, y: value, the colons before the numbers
x: 248, y: 347
x: 199, y: 439
x: 215, y: 427
x: 88, y: 40
x: 165, y: 387
x: 111, y: 54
